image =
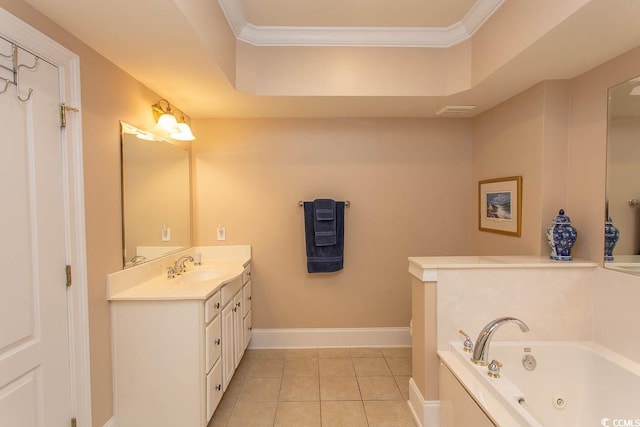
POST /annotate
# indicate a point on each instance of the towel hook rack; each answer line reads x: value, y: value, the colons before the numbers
x: 347, y: 203
x: 14, y: 69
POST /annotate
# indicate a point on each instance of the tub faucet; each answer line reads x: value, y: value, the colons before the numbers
x: 179, y: 266
x: 481, y: 350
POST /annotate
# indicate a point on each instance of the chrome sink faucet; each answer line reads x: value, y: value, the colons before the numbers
x: 179, y: 266
x: 481, y: 350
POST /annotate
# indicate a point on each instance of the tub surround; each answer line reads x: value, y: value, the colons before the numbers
x: 554, y: 298
x: 427, y: 268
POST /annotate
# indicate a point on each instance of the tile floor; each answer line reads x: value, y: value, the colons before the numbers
x: 335, y: 387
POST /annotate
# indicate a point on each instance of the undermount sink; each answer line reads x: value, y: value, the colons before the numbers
x: 200, y: 275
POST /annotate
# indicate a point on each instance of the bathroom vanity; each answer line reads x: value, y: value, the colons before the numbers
x: 177, y: 342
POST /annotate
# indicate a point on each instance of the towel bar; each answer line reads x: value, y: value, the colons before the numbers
x: 347, y: 203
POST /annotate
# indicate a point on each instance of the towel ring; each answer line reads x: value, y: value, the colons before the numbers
x: 347, y: 203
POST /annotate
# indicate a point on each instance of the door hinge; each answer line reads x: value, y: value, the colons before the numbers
x: 67, y: 270
x: 74, y: 422
x: 63, y: 114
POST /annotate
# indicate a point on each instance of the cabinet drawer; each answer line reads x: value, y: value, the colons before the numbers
x: 229, y: 290
x: 214, y: 389
x: 213, y: 335
x: 246, y: 274
x: 246, y: 298
x: 211, y: 307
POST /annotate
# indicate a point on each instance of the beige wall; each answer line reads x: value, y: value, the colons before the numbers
x: 526, y: 136
x: 552, y: 133
x: 108, y: 95
x: 407, y: 180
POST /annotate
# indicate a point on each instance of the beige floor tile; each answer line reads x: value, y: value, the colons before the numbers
x: 333, y: 353
x: 339, y: 388
x: 397, y: 352
x: 234, y: 388
x: 399, y: 365
x: 343, y: 414
x: 253, y: 414
x: 301, y: 353
x: 301, y: 368
x: 298, y: 389
x: 379, y: 388
x: 366, y: 352
x: 298, y: 414
x: 267, y: 354
x: 266, y: 368
x: 222, y: 412
x: 336, y: 367
x: 403, y: 385
x: 258, y: 389
x: 388, y: 414
x: 370, y: 366
x: 243, y: 367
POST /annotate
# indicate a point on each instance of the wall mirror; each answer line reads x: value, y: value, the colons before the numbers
x: 623, y: 174
x: 156, y: 196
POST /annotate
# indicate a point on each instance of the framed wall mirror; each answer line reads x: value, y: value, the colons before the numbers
x: 623, y: 174
x: 156, y: 196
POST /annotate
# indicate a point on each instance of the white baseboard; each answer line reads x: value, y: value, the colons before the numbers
x: 337, y: 337
x: 111, y: 422
x: 425, y: 413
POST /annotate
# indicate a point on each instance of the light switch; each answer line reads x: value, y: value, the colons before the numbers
x: 222, y: 233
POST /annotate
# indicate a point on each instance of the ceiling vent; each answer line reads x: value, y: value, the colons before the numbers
x: 455, y: 110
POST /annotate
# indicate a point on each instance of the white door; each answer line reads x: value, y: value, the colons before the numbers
x: 34, y: 336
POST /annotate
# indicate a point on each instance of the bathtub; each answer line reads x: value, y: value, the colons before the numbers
x: 573, y: 384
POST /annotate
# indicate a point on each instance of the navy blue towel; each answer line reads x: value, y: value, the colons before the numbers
x: 324, y: 258
x: 324, y: 222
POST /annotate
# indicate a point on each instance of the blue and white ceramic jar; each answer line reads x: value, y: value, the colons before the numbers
x: 611, y: 236
x: 561, y: 237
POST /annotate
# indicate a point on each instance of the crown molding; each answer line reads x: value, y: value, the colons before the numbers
x: 358, y: 36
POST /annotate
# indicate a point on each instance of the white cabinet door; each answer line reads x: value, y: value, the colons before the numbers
x: 247, y: 329
x: 214, y: 389
x: 228, y: 364
x: 238, y: 333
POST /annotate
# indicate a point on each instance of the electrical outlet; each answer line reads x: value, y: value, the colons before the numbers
x: 166, y: 234
x: 222, y: 233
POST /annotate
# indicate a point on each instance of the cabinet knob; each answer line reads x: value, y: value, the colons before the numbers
x: 217, y: 305
x: 234, y: 309
x: 238, y: 304
x: 250, y: 328
x: 218, y: 341
x: 219, y: 387
x: 249, y: 297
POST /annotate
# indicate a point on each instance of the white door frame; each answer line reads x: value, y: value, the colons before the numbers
x: 78, y: 314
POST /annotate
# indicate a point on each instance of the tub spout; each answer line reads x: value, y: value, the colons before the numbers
x: 481, y: 350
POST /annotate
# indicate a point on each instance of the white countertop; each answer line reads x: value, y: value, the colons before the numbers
x: 424, y: 268
x: 162, y: 288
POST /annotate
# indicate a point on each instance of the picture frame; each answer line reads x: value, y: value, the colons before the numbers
x: 500, y: 205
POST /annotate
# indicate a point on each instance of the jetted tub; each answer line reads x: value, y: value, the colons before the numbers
x: 572, y: 384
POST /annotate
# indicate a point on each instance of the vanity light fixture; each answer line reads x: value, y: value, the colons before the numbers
x: 166, y: 117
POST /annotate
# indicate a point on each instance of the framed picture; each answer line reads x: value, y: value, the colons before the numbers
x: 500, y: 205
